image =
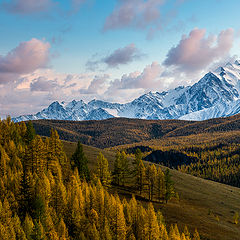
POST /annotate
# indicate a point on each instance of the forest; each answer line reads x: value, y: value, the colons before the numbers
x: 45, y: 195
x: 217, y: 162
x: 121, y: 131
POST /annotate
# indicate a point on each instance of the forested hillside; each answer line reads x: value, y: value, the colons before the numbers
x: 121, y: 131
x: 44, y: 195
x: 217, y: 162
x: 209, y: 205
x: 108, y: 133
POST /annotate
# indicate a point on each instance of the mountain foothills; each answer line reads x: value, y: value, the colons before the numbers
x: 217, y: 94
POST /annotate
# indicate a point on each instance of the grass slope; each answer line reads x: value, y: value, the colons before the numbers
x: 205, y: 205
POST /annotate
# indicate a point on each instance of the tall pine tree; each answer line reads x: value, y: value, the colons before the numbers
x: 103, y: 172
x: 79, y: 160
x: 169, y: 188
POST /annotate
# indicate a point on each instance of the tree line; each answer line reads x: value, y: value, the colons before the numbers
x: 148, y: 181
x: 220, y: 163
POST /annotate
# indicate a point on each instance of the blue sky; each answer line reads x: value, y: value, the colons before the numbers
x: 111, y: 50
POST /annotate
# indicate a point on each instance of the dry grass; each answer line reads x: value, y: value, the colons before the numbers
x: 205, y: 205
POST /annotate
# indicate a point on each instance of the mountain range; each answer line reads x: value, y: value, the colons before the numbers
x: 215, y: 95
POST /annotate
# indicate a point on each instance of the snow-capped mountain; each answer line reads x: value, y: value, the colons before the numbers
x: 217, y: 94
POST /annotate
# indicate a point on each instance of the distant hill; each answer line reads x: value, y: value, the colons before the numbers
x: 119, y: 131
x: 110, y: 132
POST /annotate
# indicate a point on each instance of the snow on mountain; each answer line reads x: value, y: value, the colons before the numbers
x: 98, y: 114
x: 217, y: 94
x: 220, y: 110
x: 55, y: 110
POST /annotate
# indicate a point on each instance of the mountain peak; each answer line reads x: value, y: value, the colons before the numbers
x: 218, y: 90
x: 237, y: 62
x: 209, y: 78
x: 55, y: 105
x: 230, y: 65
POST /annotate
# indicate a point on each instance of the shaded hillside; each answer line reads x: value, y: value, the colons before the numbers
x: 208, y: 126
x: 110, y: 132
x: 171, y: 158
x: 119, y: 131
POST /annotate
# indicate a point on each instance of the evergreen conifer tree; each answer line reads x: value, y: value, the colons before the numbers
x: 136, y: 161
x: 160, y: 185
x: 103, y: 172
x: 124, y: 167
x: 117, y: 169
x: 169, y: 188
x: 30, y: 133
x: 79, y: 160
x: 121, y: 168
x: 151, y: 175
x: 140, y: 176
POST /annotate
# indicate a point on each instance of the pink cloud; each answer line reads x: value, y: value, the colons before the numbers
x: 147, y: 79
x: 97, y: 84
x: 196, y: 51
x: 25, y: 58
x: 123, y: 56
x: 28, y: 6
x: 136, y: 13
x: 120, y: 56
x: 42, y: 84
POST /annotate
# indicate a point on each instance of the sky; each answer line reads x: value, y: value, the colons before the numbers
x: 113, y: 50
